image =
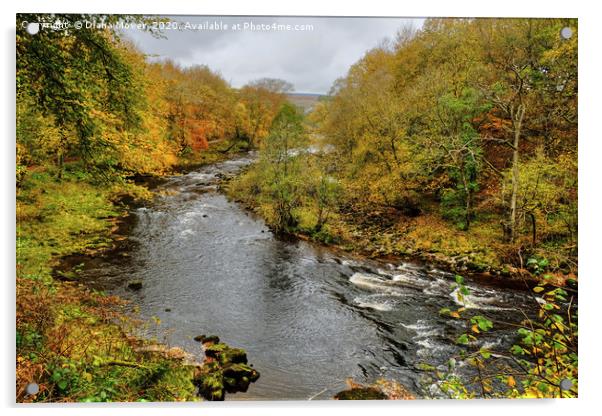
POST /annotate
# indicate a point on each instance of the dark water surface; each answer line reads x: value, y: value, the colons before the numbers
x: 308, y: 317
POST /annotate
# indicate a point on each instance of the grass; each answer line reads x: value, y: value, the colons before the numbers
x: 59, y: 218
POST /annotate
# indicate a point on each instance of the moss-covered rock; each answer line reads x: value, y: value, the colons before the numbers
x: 225, y: 369
x: 211, y: 338
x: 225, y: 354
x: 237, y: 377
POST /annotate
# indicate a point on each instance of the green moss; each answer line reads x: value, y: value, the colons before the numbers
x: 225, y: 354
x: 211, y: 386
x: 59, y: 218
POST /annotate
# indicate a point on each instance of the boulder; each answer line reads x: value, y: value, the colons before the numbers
x: 224, y: 369
x: 135, y: 285
x: 361, y: 393
x: 211, y: 338
x: 237, y: 377
x: 206, y: 339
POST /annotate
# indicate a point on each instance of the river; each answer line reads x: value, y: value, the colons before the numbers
x: 308, y: 316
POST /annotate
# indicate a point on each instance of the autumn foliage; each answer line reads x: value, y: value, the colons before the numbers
x: 470, y: 120
x: 90, y: 96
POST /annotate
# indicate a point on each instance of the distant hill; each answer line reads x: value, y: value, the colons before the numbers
x: 306, y: 101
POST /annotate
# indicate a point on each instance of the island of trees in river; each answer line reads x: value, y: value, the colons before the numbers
x: 455, y: 144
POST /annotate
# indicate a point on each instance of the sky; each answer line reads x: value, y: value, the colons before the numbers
x: 311, y: 53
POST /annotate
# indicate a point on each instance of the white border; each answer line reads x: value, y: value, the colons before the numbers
x: 589, y: 205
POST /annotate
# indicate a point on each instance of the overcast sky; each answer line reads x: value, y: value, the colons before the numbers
x: 310, y: 59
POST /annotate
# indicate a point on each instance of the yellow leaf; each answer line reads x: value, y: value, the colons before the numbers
x: 531, y: 394
x: 475, y: 328
x: 511, y: 382
x: 454, y: 314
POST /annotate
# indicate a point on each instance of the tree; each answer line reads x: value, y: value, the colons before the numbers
x: 322, y: 188
x: 80, y: 78
x: 261, y: 100
x: 452, y: 114
x: 513, y: 50
x: 273, y: 85
x: 460, y: 149
x: 202, y: 107
x: 279, y: 175
x: 546, y: 196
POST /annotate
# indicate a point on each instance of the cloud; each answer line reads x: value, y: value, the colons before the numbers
x: 311, y: 59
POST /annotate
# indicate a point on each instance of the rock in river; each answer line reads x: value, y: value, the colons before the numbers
x: 361, y: 393
x: 207, y: 339
x: 135, y: 285
x: 224, y: 369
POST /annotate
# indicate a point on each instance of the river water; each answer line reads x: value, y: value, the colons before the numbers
x: 309, y: 317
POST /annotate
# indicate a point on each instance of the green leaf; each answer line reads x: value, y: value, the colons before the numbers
x: 523, y: 331
x: 485, y: 353
x: 462, y: 339
x: 62, y: 384
x: 483, y: 323
x: 517, y: 350
x: 557, y: 318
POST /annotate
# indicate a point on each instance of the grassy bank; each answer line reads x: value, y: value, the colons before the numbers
x: 72, y: 341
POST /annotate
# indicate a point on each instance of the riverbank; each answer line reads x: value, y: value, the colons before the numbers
x: 74, y: 342
x: 385, y: 234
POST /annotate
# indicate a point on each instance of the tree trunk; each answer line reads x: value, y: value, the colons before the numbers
x: 517, y: 120
x: 467, y: 201
x: 468, y: 209
x: 60, y: 159
x: 534, y: 228
x: 61, y: 164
